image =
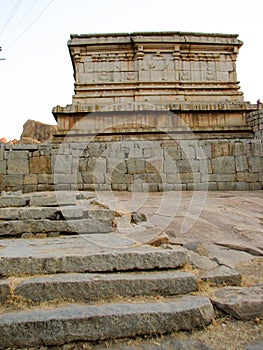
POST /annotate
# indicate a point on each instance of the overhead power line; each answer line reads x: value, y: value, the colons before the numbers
x: 11, y: 15
x: 23, y: 17
x: 30, y: 25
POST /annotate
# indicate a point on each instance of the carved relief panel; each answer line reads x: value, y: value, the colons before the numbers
x: 106, y: 68
x: 145, y: 66
x: 152, y: 67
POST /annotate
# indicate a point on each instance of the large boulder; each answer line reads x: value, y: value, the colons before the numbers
x: 37, y: 132
x: 3, y: 140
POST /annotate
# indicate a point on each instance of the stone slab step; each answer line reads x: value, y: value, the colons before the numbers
x: 40, y: 213
x: 222, y: 275
x: 49, y: 199
x: 68, y: 212
x: 45, y: 199
x: 100, y: 322
x: 92, y: 253
x: 19, y: 227
x: 13, y: 201
x: 244, y: 303
x: 90, y: 287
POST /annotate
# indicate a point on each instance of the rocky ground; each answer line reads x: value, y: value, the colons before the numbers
x: 227, y: 219
x: 221, y: 227
x: 224, y: 333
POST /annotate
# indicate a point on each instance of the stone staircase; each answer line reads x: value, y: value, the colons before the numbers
x: 59, y: 290
x: 52, y: 214
x: 85, y: 281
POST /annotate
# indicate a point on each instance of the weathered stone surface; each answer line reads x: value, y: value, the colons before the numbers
x: 241, y: 163
x: 142, y: 68
x: 201, y: 262
x: 91, y: 323
x: 137, y: 218
x: 13, y: 201
x: 226, y: 186
x: 17, y: 227
x: 17, y: 166
x: 37, y: 131
x: 98, y: 253
x: 254, y: 346
x: 72, y: 212
x: 255, y: 120
x: 242, y: 303
x: 151, y: 236
x: 154, y: 165
x: 13, y: 228
x: 40, y: 165
x: 255, y: 164
x: 242, y: 247
x: 90, y: 287
x: 4, y: 290
x: 28, y: 141
x: 28, y: 235
x: 31, y: 213
x: 197, y: 247
x: 52, y: 199
x: 136, y: 166
x: 21, y: 155
x: 220, y: 149
x: 156, y: 241
x: 2, y: 166
x: 106, y: 215
x: 120, y: 178
x: 222, y: 275
x: 187, y: 166
x: 85, y: 226
x: 223, y: 165
x: 160, y: 174
x: 30, y: 179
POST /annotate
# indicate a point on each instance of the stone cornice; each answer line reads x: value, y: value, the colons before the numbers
x: 84, y: 108
x: 76, y: 39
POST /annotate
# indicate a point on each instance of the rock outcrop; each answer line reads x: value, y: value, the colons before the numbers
x: 3, y: 140
x: 33, y: 132
x: 37, y: 132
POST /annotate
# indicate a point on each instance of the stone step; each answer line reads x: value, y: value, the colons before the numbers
x: 56, y: 213
x: 19, y: 228
x: 89, y: 287
x: 52, y: 199
x: 79, y: 254
x: 243, y: 303
x: 75, y: 322
x: 13, y: 201
x: 40, y: 213
x: 45, y: 199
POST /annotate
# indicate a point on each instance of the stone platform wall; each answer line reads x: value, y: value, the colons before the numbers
x: 255, y: 120
x: 134, y: 166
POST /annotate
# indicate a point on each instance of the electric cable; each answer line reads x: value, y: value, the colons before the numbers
x: 22, y: 19
x: 11, y: 15
x: 32, y: 23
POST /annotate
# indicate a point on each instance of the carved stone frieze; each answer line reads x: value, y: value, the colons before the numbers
x: 160, y: 69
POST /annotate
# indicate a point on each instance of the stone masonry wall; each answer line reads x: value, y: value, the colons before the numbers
x: 255, y: 119
x: 133, y: 165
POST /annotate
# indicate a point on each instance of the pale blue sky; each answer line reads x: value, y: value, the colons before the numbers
x: 37, y: 73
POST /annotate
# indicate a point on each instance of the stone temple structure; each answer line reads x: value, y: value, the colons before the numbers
x: 150, y: 112
x: 124, y: 77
